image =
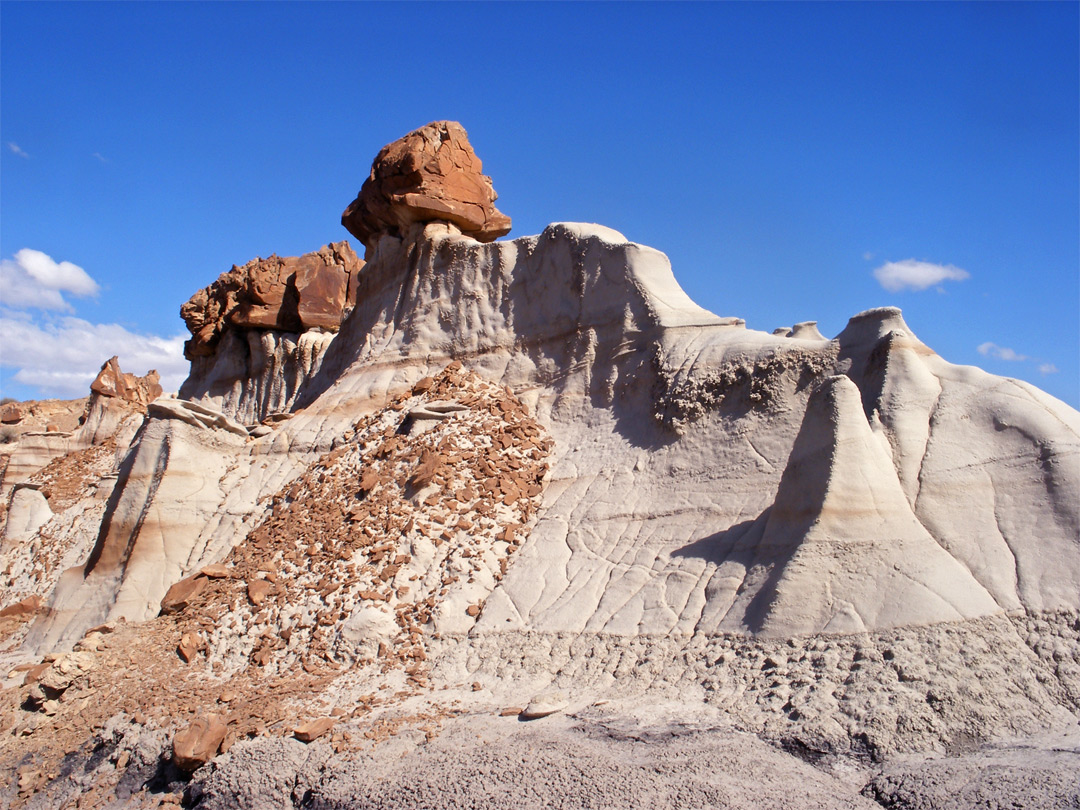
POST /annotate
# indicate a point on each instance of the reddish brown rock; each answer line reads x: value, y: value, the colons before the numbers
x: 430, y: 175
x: 112, y: 382
x: 292, y: 293
x: 181, y: 594
x: 23, y: 608
x: 10, y: 414
x: 313, y: 729
x: 258, y: 590
x: 189, y: 646
x: 198, y: 743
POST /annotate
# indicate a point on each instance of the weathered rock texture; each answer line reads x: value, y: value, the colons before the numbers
x: 533, y: 475
x: 430, y: 175
x: 290, y: 294
x: 112, y: 382
x: 260, y: 330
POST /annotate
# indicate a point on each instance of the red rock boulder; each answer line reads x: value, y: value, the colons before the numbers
x: 292, y: 293
x: 10, y: 414
x: 112, y: 382
x: 432, y: 174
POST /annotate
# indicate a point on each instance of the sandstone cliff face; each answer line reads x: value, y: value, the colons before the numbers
x: 260, y: 330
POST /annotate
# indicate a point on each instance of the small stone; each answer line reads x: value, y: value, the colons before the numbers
x: 511, y: 711
x: 216, y: 571
x: 472, y: 610
x: 198, y: 743
x: 189, y: 646
x: 258, y: 590
x: 23, y: 608
x: 181, y: 594
x: 313, y: 729
x: 544, y: 704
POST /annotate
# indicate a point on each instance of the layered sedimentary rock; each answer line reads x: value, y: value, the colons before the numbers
x: 259, y: 331
x: 535, y: 473
x: 288, y: 294
x: 112, y: 412
x: 430, y: 175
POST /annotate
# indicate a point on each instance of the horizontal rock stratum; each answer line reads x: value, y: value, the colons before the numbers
x: 531, y: 477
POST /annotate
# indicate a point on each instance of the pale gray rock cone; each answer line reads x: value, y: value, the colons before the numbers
x: 844, y: 549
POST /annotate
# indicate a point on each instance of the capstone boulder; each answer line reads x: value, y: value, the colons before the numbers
x: 291, y: 294
x: 430, y: 175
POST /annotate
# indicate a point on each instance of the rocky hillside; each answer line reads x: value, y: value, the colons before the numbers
x: 517, y: 523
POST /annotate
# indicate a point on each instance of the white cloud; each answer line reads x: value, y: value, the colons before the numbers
x: 62, y: 358
x: 100, y: 157
x: 14, y: 147
x: 989, y: 349
x: 915, y: 275
x: 34, y: 279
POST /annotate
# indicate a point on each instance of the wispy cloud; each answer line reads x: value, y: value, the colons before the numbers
x: 14, y: 147
x: 990, y: 349
x: 100, y: 157
x: 34, y: 279
x: 62, y: 357
x: 911, y: 274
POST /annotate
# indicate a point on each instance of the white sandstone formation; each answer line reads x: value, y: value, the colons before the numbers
x: 256, y: 372
x: 850, y: 546
x: 682, y: 499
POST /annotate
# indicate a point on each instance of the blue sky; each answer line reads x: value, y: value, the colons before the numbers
x: 778, y: 153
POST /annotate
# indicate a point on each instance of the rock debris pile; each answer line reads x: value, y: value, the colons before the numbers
x: 399, y: 533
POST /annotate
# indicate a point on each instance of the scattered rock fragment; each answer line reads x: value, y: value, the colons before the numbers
x: 198, y: 743
x: 180, y: 595
x: 258, y: 590
x: 544, y: 704
x: 313, y: 729
x: 23, y: 608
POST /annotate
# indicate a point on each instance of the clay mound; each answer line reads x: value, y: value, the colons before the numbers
x: 430, y: 175
x: 842, y: 547
x: 533, y: 476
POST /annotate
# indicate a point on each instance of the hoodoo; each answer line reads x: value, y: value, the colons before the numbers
x: 400, y: 503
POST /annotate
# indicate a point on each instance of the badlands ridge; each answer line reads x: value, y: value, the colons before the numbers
x: 405, y: 503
